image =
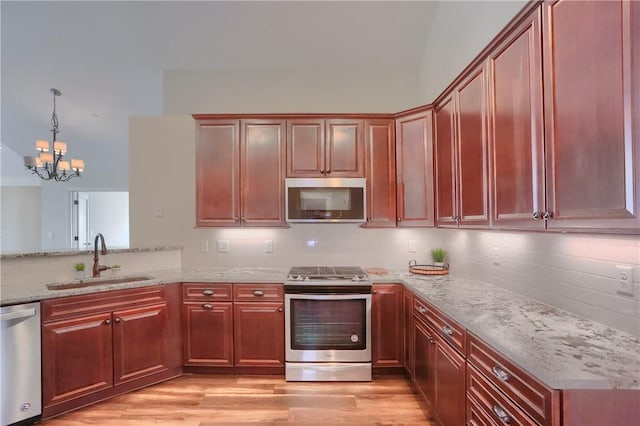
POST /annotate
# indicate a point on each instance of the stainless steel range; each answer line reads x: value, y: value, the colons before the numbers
x: 327, y: 324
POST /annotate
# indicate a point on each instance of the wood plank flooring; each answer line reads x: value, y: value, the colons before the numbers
x: 204, y: 400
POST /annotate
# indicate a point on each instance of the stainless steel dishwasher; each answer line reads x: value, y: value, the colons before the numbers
x: 20, y: 389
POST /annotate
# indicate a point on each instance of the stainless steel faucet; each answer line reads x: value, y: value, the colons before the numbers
x: 97, y: 268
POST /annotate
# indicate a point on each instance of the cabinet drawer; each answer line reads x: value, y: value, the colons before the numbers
x: 258, y: 292
x: 451, y: 331
x: 533, y: 397
x: 86, y: 304
x: 496, y: 406
x: 219, y: 292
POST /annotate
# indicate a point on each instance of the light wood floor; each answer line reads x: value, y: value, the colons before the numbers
x: 203, y: 400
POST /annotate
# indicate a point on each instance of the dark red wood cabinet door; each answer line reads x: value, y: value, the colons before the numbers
x: 262, y: 169
x: 77, y: 358
x: 414, y: 168
x: 591, y: 89
x: 208, y: 333
x: 446, y: 199
x: 424, y: 372
x: 471, y: 151
x: 217, y: 173
x: 517, y: 148
x: 387, y: 325
x: 380, y: 160
x: 344, y: 148
x: 140, y: 342
x: 258, y: 334
x: 305, y: 148
x: 450, y: 384
x: 408, y: 331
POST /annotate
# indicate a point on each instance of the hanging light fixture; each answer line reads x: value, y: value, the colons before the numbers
x: 50, y: 165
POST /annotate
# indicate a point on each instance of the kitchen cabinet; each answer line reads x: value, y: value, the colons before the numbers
x: 414, y: 168
x: 258, y: 325
x: 592, y: 125
x: 439, y: 362
x: 325, y: 147
x: 407, y: 311
x: 240, y: 166
x: 461, y: 150
x: 131, y: 334
x: 387, y: 325
x: 207, y: 313
x: 380, y: 161
x: 517, y: 129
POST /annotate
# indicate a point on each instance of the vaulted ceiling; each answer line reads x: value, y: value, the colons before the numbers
x: 108, y: 58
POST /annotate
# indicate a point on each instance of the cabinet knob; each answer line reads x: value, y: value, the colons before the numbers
x: 258, y: 293
x: 280, y: 309
x: 107, y: 322
x: 501, y: 414
x: 322, y: 171
x: 432, y: 340
x: 208, y: 292
x: 399, y: 219
x: 537, y: 215
x: 243, y: 219
x: 117, y: 320
x: 447, y: 330
x: 235, y: 219
x: 422, y: 309
x: 207, y: 305
x: 548, y: 215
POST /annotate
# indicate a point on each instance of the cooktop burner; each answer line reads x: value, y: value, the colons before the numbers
x: 328, y: 274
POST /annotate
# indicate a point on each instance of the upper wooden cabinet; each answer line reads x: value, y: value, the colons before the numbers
x: 516, y: 127
x: 380, y: 161
x: 414, y: 169
x: 325, y: 147
x: 592, y: 114
x: 240, y: 173
x: 461, y: 154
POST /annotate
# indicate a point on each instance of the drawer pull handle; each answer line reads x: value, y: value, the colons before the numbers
x: 500, y: 374
x: 258, y: 293
x: 501, y: 414
x: 207, y: 306
x: 208, y: 292
x: 447, y: 330
x: 422, y: 309
x: 117, y: 320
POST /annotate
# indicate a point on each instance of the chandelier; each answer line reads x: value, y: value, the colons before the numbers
x: 51, y: 166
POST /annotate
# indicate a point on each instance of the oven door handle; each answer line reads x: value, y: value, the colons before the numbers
x: 307, y: 296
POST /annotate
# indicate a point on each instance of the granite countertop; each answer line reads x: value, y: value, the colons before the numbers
x: 562, y: 350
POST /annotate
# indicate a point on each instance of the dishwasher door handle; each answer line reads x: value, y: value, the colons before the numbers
x: 25, y: 313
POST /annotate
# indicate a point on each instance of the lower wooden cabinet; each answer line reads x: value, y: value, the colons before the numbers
x: 407, y: 312
x: 99, y: 345
x: 424, y: 371
x: 387, y: 325
x: 233, y: 325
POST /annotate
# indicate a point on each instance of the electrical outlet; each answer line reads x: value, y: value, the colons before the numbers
x: 268, y: 246
x: 496, y: 256
x: 412, y: 246
x: 625, y: 280
x: 223, y: 246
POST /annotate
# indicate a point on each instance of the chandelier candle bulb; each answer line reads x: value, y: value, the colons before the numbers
x: 42, y: 146
x: 60, y: 147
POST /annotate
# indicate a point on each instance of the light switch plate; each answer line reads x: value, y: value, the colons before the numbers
x: 268, y: 246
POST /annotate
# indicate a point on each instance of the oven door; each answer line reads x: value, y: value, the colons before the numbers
x: 328, y: 327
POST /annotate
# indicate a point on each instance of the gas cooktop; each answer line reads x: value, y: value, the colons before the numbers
x: 328, y: 274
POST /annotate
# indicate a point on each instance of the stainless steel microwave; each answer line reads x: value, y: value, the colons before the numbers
x: 325, y: 199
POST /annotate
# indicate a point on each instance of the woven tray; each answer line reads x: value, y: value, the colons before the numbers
x: 428, y: 269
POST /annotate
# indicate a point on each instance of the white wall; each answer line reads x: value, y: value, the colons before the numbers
x: 20, y: 218
x: 460, y: 30
x: 109, y: 215
x: 278, y: 91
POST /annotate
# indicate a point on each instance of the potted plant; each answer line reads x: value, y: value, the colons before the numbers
x: 115, y: 269
x: 79, y: 267
x: 437, y: 254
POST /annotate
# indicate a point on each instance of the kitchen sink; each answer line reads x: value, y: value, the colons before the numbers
x: 91, y: 282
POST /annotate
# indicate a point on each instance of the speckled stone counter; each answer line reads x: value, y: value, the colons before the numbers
x: 562, y: 350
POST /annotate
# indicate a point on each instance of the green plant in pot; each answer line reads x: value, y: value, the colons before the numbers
x: 115, y: 269
x: 438, y: 254
x: 79, y: 267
